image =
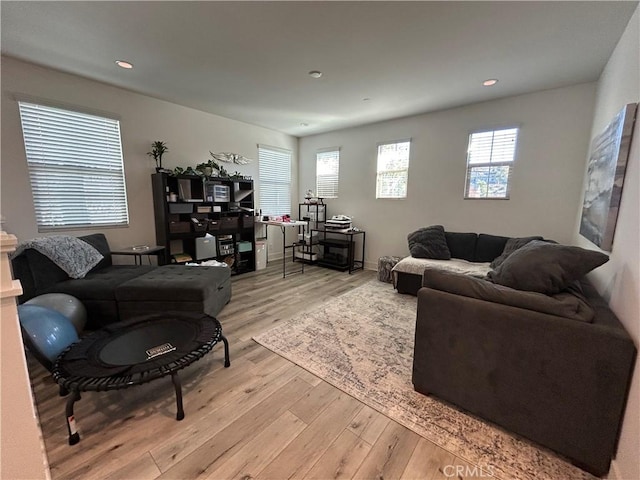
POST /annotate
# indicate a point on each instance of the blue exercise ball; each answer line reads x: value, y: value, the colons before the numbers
x: 67, y: 305
x: 50, y: 331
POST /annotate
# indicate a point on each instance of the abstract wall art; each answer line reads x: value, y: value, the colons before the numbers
x: 607, y: 166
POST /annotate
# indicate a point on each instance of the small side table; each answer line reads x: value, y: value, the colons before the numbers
x: 138, y: 251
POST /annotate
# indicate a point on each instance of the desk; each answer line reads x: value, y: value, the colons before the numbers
x: 283, y: 226
x: 138, y: 251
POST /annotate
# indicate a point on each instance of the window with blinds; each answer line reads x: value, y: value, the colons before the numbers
x: 75, y: 167
x: 275, y: 180
x: 327, y: 172
x: 490, y: 160
x: 393, y: 169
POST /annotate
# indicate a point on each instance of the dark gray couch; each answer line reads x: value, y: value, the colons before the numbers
x: 112, y: 293
x: 539, y: 367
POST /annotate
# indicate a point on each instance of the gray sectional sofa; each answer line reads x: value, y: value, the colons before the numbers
x: 552, y: 367
x: 113, y: 293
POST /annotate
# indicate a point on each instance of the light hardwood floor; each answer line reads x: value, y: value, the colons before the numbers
x: 264, y: 417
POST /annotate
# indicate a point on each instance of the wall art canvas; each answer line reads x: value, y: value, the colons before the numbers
x: 607, y: 166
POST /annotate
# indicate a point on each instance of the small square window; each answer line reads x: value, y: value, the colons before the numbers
x: 393, y: 169
x: 327, y: 173
x: 490, y: 158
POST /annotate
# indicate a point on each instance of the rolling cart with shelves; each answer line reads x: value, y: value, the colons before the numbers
x: 315, y: 214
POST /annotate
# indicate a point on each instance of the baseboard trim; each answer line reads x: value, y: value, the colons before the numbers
x: 614, y: 473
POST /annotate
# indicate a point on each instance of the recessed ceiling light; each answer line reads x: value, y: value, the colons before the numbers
x: 304, y: 124
x: 366, y: 99
x: 124, y: 64
x: 490, y: 82
x: 315, y: 74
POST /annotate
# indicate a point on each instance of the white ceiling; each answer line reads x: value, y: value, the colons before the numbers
x: 249, y: 60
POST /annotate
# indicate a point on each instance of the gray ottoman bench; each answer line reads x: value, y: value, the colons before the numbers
x: 177, y: 288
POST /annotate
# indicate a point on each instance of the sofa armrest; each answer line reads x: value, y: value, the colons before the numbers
x: 554, y: 380
x: 562, y: 304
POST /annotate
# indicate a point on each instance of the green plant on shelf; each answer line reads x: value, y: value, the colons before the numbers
x: 158, y: 149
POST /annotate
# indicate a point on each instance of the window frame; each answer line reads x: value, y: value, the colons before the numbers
x: 509, y: 163
x: 405, y: 170
x: 336, y: 185
x: 45, y: 127
x: 265, y: 182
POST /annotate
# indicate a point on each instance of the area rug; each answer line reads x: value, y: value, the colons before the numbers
x: 362, y: 343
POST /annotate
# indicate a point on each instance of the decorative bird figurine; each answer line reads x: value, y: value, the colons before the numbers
x: 228, y: 157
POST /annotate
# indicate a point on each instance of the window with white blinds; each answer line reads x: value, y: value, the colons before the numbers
x: 393, y: 169
x: 275, y: 180
x: 490, y: 160
x: 75, y: 166
x: 327, y: 172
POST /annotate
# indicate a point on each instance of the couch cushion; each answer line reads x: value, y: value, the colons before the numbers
x: 429, y: 242
x: 99, y: 242
x: 417, y: 266
x: 489, y: 247
x: 511, y: 246
x: 546, y: 267
x: 462, y: 245
x: 99, y: 285
x: 562, y: 304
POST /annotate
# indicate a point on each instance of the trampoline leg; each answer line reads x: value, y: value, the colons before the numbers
x: 74, y: 436
x: 227, y: 363
x: 178, y: 387
x: 63, y: 391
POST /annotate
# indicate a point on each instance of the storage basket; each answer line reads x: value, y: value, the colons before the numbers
x: 198, y: 225
x: 247, y: 221
x: 228, y: 223
x: 213, y: 225
x: 180, y: 227
x: 180, y: 208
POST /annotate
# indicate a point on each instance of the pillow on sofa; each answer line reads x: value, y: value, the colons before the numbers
x: 489, y: 247
x: 511, y: 246
x: 429, y: 242
x: 545, y: 267
x: 462, y: 245
x: 563, y: 304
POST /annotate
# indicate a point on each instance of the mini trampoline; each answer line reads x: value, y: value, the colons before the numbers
x: 134, y: 352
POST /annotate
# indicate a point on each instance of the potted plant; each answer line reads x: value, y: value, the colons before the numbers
x: 158, y: 149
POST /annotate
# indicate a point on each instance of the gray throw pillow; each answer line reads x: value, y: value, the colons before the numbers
x: 511, y: 246
x: 429, y: 242
x: 545, y: 267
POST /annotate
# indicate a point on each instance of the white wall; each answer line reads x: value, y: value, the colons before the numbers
x: 619, y: 279
x: 189, y: 133
x: 547, y: 178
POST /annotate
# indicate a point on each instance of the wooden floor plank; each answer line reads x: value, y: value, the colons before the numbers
x: 369, y: 425
x: 189, y: 439
x: 210, y: 454
x: 315, y: 401
x: 141, y: 468
x: 342, y: 459
x: 390, y: 454
x: 261, y: 449
x: 428, y: 462
x: 300, y: 456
